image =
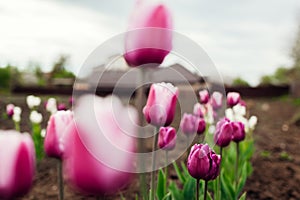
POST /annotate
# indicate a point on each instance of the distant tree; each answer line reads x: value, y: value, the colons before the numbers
x: 240, y: 82
x: 266, y: 80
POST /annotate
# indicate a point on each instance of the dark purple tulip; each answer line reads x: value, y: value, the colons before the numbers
x: 201, y: 126
x: 203, y: 162
x: 233, y: 98
x: 188, y: 124
x: 204, y: 96
x: 238, y: 131
x: 61, y: 106
x: 10, y: 110
x: 167, y: 138
x: 161, y: 104
x: 216, y: 100
x: 223, y: 134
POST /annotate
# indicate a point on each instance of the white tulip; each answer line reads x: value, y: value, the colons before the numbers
x: 239, y: 110
x: 51, y: 105
x: 229, y: 114
x: 35, y: 117
x: 33, y: 101
x: 252, y: 122
x: 17, y: 114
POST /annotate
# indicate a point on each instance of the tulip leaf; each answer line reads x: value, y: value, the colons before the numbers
x: 243, y: 197
x: 189, y: 189
x: 168, y: 196
x: 242, y: 179
x: 161, y: 185
x: 179, y: 173
x: 227, y: 187
x: 185, y: 170
x: 176, y: 194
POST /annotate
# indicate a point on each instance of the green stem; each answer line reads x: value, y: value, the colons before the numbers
x: 17, y: 126
x: 197, y: 189
x: 166, y: 168
x: 154, y: 162
x: 60, y: 180
x: 220, y: 184
x: 237, y: 168
x: 205, y: 190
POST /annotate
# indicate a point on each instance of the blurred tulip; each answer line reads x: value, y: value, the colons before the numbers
x: 204, y: 96
x: 10, y: 110
x: 199, y: 110
x: 238, y: 131
x: 223, y: 134
x: 98, y: 156
x: 51, y: 105
x: 33, y: 101
x: 71, y: 101
x: 36, y: 117
x: 57, y: 127
x: 188, y: 124
x: 216, y: 100
x: 17, y: 164
x: 233, y: 98
x: 201, y: 126
x: 252, y: 122
x: 61, y: 106
x: 239, y: 110
x: 149, y: 36
x: 161, y: 104
x: 167, y: 138
x: 203, y: 162
x: 17, y: 114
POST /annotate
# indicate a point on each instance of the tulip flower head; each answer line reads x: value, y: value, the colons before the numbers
x: 98, y: 147
x: 199, y: 110
x: 51, y: 105
x: 10, y: 110
x: 161, y: 104
x: 17, y: 164
x: 223, y: 134
x: 33, y: 101
x: 238, y: 131
x: 36, y: 117
x: 204, y: 96
x: 61, y: 106
x: 149, y: 38
x: 188, y: 124
x: 233, y: 98
x: 167, y: 138
x: 17, y: 114
x: 201, y: 125
x: 252, y: 122
x: 203, y: 162
x: 216, y: 100
x: 57, y: 127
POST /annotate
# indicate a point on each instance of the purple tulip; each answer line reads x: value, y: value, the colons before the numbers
x: 201, y: 126
x: 223, y: 134
x: 238, y: 133
x: 57, y: 127
x: 61, y: 106
x: 161, y: 104
x: 233, y: 98
x: 204, y: 96
x: 188, y: 124
x: 216, y: 100
x: 167, y: 138
x: 149, y: 38
x: 203, y: 162
x: 99, y: 145
x: 199, y: 110
x: 17, y: 164
x: 10, y: 110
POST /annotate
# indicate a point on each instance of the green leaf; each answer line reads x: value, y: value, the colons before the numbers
x: 176, y: 194
x: 168, y: 196
x: 185, y: 170
x: 179, y: 173
x: 242, y: 179
x: 228, y: 191
x: 161, y: 185
x: 243, y: 197
x: 189, y: 189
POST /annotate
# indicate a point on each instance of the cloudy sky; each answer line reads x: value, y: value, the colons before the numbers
x: 246, y: 38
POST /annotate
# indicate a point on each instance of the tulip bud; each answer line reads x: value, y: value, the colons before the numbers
x: 223, y: 134
x: 233, y: 98
x: 33, y: 101
x: 17, y: 164
x: 188, y: 124
x: 10, y: 110
x: 199, y: 110
x: 201, y: 126
x: 238, y: 131
x: 17, y: 114
x: 57, y: 127
x: 35, y: 117
x: 203, y: 162
x: 149, y: 39
x: 167, y: 138
x: 161, y: 104
x: 216, y: 100
x: 204, y: 96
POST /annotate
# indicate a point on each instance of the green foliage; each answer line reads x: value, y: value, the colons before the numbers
x: 280, y: 77
x: 59, y: 68
x: 240, y: 82
x: 265, y: 154
x: 38, y: 141
x: 5, y: 76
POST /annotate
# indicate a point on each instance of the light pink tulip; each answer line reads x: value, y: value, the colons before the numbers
x: 57, y: 127
x: 149, y: 38
x: 161, y: 104
x: 204, y: 96
x: 99, y: 145
x: 216, y: 100
x: 167, y: 138
x: 189, y: 124
x: 17, y: 164
x: 233, y: 98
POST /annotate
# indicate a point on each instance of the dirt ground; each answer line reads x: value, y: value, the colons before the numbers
x: 276, y: 160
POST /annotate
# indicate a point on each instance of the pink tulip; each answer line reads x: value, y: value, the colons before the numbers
x: 199, y: 110
x: 223, y: 134
x: 149, y: 38
x: 188, y: 124
x: 57, y: 127
x: 17, y: 164
x: 61, y: 106
x: 204, y: 96
x: 161, y: 104
x: 167, y: 138
x: 238, y: 133
x: 233, y: 98
x: 10, y: 110
x: 99, y: 145
x: 216, y: 100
